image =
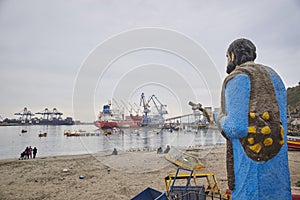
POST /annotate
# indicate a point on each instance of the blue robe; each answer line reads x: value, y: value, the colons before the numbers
x: 254, y: 179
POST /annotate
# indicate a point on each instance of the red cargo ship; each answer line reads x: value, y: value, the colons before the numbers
x: 109, y: 118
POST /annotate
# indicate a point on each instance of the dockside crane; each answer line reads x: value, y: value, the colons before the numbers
x: 162, y: 109
x: 145, y: 105
x: 46, y: 113
x: 56, y: 113
x: 25, y: 114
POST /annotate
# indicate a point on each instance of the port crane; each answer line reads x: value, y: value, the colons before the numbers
x: 47, y: 114
x: 56, y: 113
x: 25, y: 115
x: 144, y: 104
x: 146, y: 111
x: 162, y: 109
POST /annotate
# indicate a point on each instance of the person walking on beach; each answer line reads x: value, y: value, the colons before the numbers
x: 30, y: 152
x: 26, y: 153
x: 22, y: 155
x: 34, y: 152
x: 253, y: 120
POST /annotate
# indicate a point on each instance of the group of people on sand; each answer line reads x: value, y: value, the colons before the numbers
x: 160, y: 150
x: 29, y: 152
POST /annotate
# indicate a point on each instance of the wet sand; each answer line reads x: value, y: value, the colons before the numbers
x: 104, y: 176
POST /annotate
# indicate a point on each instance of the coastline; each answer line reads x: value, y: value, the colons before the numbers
x: 105, y: 176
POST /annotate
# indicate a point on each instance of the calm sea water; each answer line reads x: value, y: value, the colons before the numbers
x: 13, y: 142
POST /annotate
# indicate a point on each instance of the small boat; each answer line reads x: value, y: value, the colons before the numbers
x: 80, y: 133
x: 69, y: 133
x: 73, y: 134
x: 295, y: 193
x: 293, y: 142
x: 107, y: 132
x: 155, y: 131
x: 43, y: 135
x: 171, y: 126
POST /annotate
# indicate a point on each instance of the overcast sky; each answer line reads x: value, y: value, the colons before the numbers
x: 45, y: 45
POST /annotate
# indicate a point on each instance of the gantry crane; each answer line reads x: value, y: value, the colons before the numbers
x: 56, y: 113
x: 25, y: 114
x: 46, y: 113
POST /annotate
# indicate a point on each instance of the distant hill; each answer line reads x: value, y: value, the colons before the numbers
x: 293, y: 96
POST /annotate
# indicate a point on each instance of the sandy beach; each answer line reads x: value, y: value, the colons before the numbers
x: 105, y: 176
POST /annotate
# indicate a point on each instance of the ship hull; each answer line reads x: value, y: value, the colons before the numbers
x: 293, y: 142
x: 120, y: 124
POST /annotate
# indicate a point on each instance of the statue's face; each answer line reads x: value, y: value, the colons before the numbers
x: 228, y: 58
x: 230, y: 65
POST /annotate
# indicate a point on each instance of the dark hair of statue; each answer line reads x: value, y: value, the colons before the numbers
x: 243, y: 50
